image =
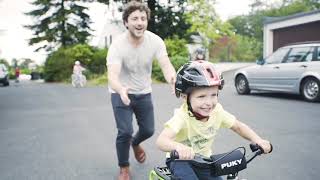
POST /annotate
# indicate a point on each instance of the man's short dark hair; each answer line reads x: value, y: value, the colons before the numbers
x: 133, y: 6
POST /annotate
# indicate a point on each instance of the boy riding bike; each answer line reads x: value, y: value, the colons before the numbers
x: 77, y: 78
x: 195, y: 124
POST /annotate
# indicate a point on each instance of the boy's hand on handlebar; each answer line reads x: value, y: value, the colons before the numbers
x: 265, y: 145
x: 185, y: 152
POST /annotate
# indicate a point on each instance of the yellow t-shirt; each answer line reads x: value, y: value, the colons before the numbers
x: 197, y: 134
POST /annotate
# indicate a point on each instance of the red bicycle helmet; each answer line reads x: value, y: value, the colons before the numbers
x: 197, y: 74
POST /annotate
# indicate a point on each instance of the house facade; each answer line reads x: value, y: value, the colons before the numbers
x: 113, y: 26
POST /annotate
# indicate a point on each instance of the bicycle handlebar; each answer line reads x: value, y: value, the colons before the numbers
x: 226, y: 163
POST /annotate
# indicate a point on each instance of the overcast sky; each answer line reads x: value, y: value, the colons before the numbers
x: 13, y: 37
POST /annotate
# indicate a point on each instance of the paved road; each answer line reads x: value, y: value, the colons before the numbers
x: 56, y: 132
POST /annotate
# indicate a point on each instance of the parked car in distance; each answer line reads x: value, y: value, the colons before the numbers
x: 292, y: 69
x: 4, y: 75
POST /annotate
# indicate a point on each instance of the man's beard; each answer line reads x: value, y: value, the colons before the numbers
x: 136, y: 34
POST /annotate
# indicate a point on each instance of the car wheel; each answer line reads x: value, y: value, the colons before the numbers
x: 6, y: 83
x: 310, y: 89
x: 242, y: 85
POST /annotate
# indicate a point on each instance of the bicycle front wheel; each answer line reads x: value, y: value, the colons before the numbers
x: 154, y: 176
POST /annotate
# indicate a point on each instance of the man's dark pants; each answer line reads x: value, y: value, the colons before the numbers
x: 141, y: 105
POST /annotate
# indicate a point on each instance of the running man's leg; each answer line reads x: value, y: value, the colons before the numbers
x: 123, y: 117
x: 143, y: 110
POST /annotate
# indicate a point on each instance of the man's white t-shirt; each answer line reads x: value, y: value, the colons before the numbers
x: 136, y: 62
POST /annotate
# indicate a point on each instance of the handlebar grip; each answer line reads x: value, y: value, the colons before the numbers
x: 174, y: 155
x: 271, y: 148
x: 256, y: 147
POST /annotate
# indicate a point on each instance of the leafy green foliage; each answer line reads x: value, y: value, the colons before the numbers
x: 177, y: 61
x: 236, y: 48
x: 5, y: 62
x: 176, y: 47
x: 252, y: 25
x: 24, y: 64
x: 62, y: 22
x: 167, y: 19
x: 178, y: 54
x: 59, y: 64
x: 247, y: 49
x: 98, y: 63
x: 206, y: 22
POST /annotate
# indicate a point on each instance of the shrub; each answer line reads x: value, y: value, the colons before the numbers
x: 177, y: 62
x: 177, y: 47
x: 98, y: 63
x: 178, y: 53
x: 59, y: 64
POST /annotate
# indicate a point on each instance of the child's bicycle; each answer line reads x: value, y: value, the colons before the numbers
x: 78, y: 80
x: 226, y: 164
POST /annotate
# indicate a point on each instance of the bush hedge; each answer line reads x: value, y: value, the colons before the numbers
x: 178, y: 54
x: 59, y: 64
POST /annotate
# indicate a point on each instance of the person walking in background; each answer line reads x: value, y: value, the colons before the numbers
x: 129, y: 63
x: 17, y: 73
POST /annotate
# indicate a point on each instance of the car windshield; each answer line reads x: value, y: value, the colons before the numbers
x: 277, y: 56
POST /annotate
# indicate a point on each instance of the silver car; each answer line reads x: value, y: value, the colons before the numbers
x: 4, y: 75
x: 291, y: 69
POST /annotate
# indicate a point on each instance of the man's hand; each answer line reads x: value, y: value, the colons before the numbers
x: 124, y: 96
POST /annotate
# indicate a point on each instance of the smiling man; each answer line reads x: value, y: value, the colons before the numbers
x: 129, y: 64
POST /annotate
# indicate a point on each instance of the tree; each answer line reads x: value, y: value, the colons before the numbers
x: 25, y: 63
x: 5, y: 62
x: 58, y: 23
x: 14, y: 62
x: 241, y: 25
x: 167, y: 19
x: 206, y: 23
x: 252, y: 25
x: 313, y: 4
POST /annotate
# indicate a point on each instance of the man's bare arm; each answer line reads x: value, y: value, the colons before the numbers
x: 168, y: 71
x: 114, y: 82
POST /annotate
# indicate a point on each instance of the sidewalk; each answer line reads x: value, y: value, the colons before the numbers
x: 228, y: 66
